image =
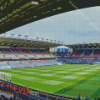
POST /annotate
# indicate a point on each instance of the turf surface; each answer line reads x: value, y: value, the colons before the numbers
x: 68, y: 79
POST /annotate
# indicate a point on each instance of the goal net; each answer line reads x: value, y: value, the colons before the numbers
x: 5, y: 76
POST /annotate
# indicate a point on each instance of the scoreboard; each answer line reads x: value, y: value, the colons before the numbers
x: 62, y: 50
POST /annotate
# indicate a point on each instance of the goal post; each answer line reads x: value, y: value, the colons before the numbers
x: 5, y: 76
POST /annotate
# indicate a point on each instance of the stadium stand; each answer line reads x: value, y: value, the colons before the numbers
x: 16, y: 65
x: 24, y: 54
x: 37, y: 54
x: 30, y: 63
x: 77, y: 54
x: 18, y: 53
x: 82, y: 57
x: 4, y: 65
x: 7, y: 54
x: 48, y: 54
x: 28, y: 54
x: 27, y: 64
x: 96, y: 54
x: 63, y: 56
x: 85, y: 54
x: 83, y: 61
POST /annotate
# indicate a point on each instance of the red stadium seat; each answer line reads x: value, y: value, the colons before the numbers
x: 20, y: 90
x: 2, y: 84
x: 7, y: 86
x: 25, y: 92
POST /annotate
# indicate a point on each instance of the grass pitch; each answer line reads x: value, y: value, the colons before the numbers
x: 68, y: 79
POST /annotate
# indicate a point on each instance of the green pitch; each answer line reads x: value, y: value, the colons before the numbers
x: 68, y: 79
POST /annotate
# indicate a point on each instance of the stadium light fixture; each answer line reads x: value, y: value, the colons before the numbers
x: 58, y: 41
x: 19, y: 36
x: 35, y: 17
x: 43, y: 12
x: 62, y: 43
x: 26, y: 37
x: 31, y: 40
x: 34, y: 3
x: 47, y: 40
x: 42, y: 39
x: 59, y: 8
x: 54, y: 9
x: 51, y: 40
x: 42, y: 0
x: 37, y: 38
x: 48, y: 11
x: 12, y: 34
x: 4, y: 35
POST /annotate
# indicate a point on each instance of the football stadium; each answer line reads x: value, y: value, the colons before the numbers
x: 34, y: 69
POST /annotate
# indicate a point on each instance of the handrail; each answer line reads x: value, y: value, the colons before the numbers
x: 17, y: 94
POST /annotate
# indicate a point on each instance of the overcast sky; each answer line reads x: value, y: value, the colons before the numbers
x: 78, y: 26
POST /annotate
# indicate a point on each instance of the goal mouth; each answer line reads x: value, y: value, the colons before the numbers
x: 5, y: 76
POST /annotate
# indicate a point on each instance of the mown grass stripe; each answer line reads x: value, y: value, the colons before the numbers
x: 66, y: 89
x: 96, y: 93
